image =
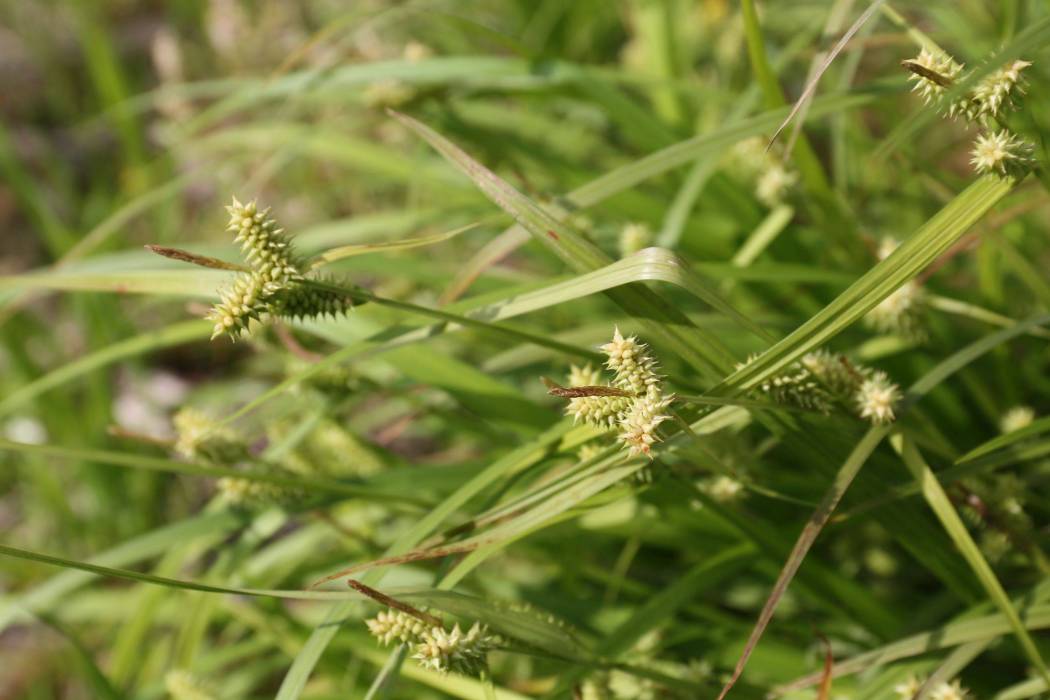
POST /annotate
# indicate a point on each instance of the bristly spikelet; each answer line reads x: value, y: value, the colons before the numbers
x: 774, y: 182
x: 247, y: 298
x: 937, y: 70
x: 949, y: 691
x: 200, y: 437
x: 301, y: 301
x: 795, y: 387
x: 833, y: 371
x: 637, y: 415
x: 1000, y: 152
x: 266, y: 248
x: 443, y: 651
x: 638, y: 426
x: 772, y: 178
x: 250, y: 494
x: 634, y: 366
x: 599, y: 411
x: 389, y: 625
x: 994, y: 92
x: 277, y: 284
x: 907, y: 689
x: 877, y: 399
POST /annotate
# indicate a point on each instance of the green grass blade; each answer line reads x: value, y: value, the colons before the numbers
x: 941, y: 505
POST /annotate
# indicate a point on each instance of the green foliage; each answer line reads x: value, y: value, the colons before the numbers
x: 836, y: 445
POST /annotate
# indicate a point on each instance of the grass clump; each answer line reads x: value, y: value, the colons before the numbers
x: 791, y: 256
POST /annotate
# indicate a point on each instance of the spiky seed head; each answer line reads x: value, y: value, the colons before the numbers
x: 389, y: 625
x: 773, y: 183
x: 444, y: 651
x: 638, y: 426
x: 303, y: 301
x: 949, y: 691
x: 634, y: 365
x: 199, y: 437
x: 1000, y: 152
x: 877, y: 398
x: 795, y: 387
x: 833, y: 371
x: 245, y: 299
x: 266, y: 248
x: 251, y: 494
x: 936, y: 62
x: 994, y: 92
x: 1016, y: 418
x: 907, y: 689
x: 599, y: 411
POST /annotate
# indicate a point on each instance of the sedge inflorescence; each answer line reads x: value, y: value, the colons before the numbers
x: 277, y: 282
x: 201, y: 438
x: 434, y: 647
x: 997, y: 151
x: 640, y: 409
x: 822, y: 380
x: 910, y: 687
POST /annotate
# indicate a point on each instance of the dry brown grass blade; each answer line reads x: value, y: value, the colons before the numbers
x: 384, y: 599
x: 824, y: 692
x: 816, y: 523
x: 417, y: 555
x: 811, y: 87
x: 194, y: 259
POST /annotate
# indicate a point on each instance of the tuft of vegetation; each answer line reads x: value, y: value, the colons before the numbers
x: 789, y: 258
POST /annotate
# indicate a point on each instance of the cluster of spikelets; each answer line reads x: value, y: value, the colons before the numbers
x: 822, y: 380
x: 772, y: 177
x: 643, y: 406
x: 433, y: 646
x: 901, y: 311
x: 995, y: 150
x: 276, y: 282
x: 941, y: 691
x: 200, y: 438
